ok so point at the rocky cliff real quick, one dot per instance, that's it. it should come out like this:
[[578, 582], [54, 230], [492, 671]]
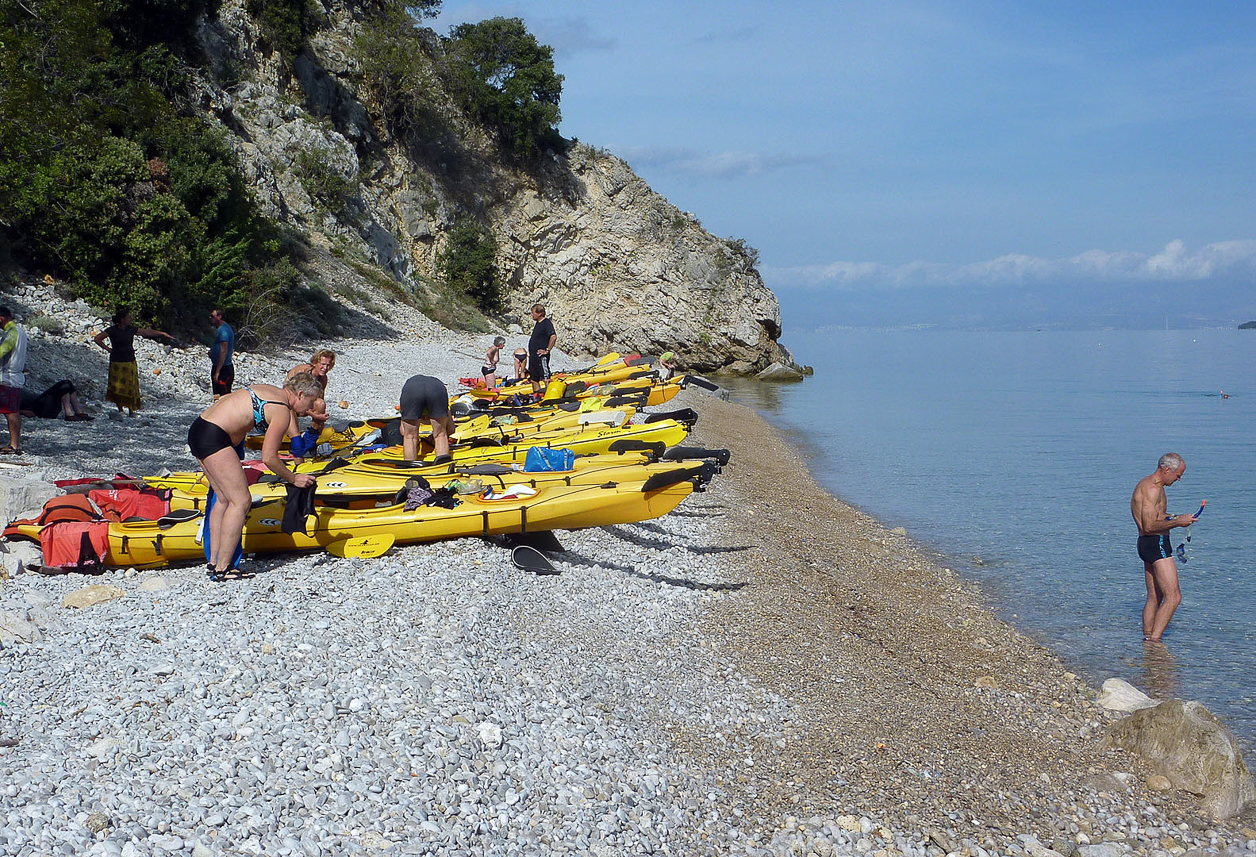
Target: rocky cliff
[[616, 265]]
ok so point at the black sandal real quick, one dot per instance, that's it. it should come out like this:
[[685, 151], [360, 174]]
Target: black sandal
[[10, 450]]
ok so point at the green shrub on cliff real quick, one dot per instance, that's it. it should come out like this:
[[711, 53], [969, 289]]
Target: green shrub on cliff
[[493, 73], [104, 179], [285, 24], [503, 76], [469, 264]]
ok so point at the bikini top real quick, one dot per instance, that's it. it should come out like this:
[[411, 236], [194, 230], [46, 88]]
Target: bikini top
[[259, 410]]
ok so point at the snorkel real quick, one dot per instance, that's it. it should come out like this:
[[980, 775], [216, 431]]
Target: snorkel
[[1181, 548]]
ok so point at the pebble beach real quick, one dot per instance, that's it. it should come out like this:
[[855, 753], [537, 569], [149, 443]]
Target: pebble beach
[[763, 671]]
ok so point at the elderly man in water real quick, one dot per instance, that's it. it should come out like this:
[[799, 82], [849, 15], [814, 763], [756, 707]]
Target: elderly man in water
[[1154, 547]]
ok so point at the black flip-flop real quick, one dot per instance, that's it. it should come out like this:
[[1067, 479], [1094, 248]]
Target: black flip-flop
[[9, 450]]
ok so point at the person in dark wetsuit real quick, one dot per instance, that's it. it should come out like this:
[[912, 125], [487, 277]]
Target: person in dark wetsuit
[[425, 399], [61, 398], [1154, 547], [217, 432]]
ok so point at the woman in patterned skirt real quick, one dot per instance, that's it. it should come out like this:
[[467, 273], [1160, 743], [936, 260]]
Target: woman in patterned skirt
[[124, 374]]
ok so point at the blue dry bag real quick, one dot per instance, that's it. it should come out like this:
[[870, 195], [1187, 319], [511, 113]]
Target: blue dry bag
[[542, 459]]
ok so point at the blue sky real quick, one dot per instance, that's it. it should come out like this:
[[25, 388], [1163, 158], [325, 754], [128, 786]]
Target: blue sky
[[898, 162]]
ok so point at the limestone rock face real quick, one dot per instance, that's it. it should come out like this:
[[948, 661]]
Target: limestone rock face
[[1194, 750], [617, 267]]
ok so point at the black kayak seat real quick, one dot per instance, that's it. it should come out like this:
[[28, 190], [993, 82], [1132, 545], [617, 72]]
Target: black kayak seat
[[685, 453], [684, 416], [488, 469], [636, 400], [653, 448], [178, 516]]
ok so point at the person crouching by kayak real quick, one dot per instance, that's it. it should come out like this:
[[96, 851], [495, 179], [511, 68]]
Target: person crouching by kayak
[[425, 399], [667, 365], [321, 362], [216, 439]]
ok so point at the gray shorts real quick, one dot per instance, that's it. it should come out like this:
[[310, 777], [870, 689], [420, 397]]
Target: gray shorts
[[424, 397]]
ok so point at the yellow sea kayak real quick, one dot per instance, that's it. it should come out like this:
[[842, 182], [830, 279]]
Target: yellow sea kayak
[[151, 543], [374, 479]]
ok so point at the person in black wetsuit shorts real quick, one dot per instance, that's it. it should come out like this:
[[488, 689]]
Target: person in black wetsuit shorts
[[61, 398], [540, 344], [1154, 548], [215, 438], [425, 399]]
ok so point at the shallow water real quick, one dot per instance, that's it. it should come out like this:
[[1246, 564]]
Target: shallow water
[[1015, 454]]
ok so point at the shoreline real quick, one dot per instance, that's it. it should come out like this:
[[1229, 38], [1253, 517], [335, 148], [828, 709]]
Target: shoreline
[[857, 609], [764, 667]]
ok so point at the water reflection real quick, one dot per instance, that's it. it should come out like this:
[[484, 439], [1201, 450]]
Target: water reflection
[[762, 396], [1159, 670]]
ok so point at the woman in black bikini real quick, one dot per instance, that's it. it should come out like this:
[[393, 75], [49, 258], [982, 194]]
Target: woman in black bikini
[[220, 429]]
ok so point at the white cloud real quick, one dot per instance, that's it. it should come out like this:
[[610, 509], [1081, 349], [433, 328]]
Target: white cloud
[[732, 164], [570, 35], [1175, 263]]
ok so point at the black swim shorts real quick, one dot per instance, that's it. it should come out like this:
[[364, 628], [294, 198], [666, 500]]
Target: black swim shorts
[[226, 377], [1152, 548], [424, 397], [538, 367], [206, 438]]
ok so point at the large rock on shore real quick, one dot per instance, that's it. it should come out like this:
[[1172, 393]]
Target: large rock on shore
[[1193, 749], [20, 496], [780, 372], [1119, 695]]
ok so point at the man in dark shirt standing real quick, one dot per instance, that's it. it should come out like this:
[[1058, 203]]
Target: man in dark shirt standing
[[221, 365], [540, 344]]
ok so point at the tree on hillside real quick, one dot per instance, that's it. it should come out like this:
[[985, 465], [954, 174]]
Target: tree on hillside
[[506, 78], [469, 264], [105, 180]]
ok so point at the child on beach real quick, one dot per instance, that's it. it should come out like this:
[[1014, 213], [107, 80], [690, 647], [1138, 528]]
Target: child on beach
[[489, 370]]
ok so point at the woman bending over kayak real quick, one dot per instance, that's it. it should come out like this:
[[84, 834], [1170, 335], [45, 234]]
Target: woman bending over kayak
[[217, 433]]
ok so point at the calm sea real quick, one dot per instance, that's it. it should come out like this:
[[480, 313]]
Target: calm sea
[[1015, 454]]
